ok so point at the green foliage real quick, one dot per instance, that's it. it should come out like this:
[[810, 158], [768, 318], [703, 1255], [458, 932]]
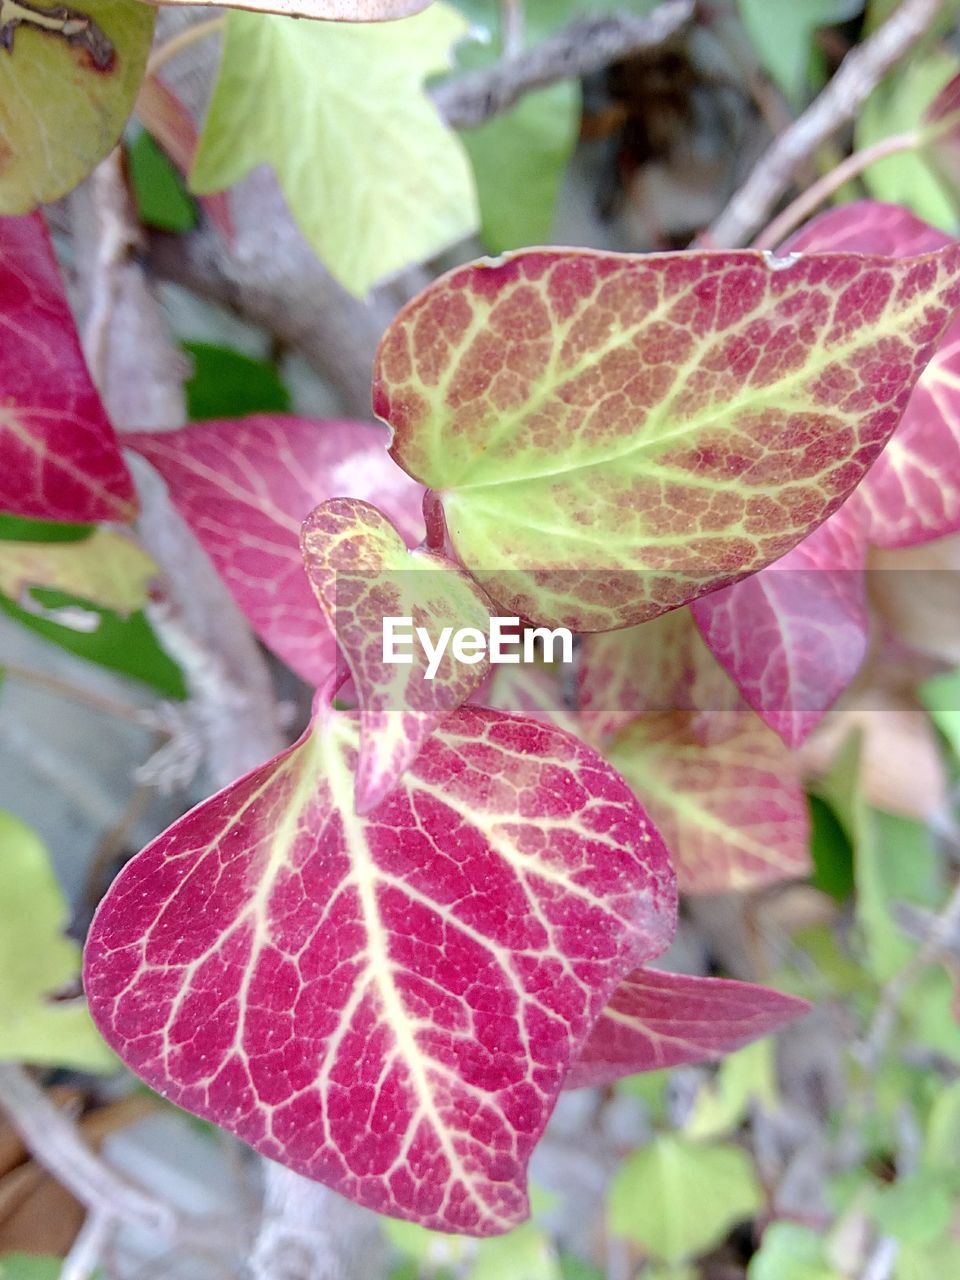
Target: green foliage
[[372, 175], [228, 384], [941, 697], [28, 1266], [522, 1254], [782, 33], [743, 1078], [897, 106], [790, 1252], [21, 529], [676, 1198], [36, 961], [831, 852], [162, 200]]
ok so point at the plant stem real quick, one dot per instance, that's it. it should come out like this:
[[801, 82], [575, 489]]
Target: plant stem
[[511, 27], [108, 706], [183, 40], [821, 191]]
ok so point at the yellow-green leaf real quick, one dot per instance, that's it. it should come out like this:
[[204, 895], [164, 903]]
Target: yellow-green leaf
[[36, 962], [107, 569], [372, 174], [64, 97]]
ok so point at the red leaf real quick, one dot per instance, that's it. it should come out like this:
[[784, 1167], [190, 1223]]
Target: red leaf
[[658, 1020], [725, 792], [794, 636], [60, 456], [362, 573], [387, 1004], [912, 492], [613, 436], [163, 114], [245, 487]]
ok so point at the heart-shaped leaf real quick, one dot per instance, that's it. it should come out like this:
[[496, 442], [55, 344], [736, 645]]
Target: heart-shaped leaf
[[613, 436], [725, 792], [388, 1004], [658, 1020], [362, 575], [68, 78], [245, 487], [662, 665], [793, 636], [106, 568], [60, 456], [912, 492]]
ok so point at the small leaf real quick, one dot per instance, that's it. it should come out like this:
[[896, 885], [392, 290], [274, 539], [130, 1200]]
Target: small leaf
[[362, 574], [161, 198], [941, 697], [793, 636], [744, 1079], [612, 436], [387, 1004], [676, 1199], [245, 487], [912, 492], [782, 34], [372, 175], [106, 569], [725, 792], [61, 460], [657, 1020], [790, 1252], [28, 1266], [64, 101], [37, 961], [228, 384]]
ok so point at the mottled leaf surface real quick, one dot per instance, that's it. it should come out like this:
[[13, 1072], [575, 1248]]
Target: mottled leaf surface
[[106, 568], [387, 1004], [372, 175], [37, 962], [60, 457], [912, 493], [726, 794], [63, 104], [713, 409], [245, 487], [362, 572], [657, 1020], [793, 636]]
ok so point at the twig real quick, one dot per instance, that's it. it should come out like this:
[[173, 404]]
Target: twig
[[96, 701], [511, 27], [183, 40], [582, 47], [859, 74]]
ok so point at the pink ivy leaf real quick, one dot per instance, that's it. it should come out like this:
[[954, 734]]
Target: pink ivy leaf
[[167, 119], [61, 460], [662, 665], [794, 636], [612, 436], [245, 487], [387, 1004], [912, 492], [725, 792], [362, 573], [657, 1020]]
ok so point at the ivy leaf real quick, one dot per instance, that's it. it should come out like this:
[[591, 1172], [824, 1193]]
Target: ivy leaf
[[36, 962], [229, 384], [387, 1004], [61, 460], [362, 573], [64, 102], [912, 492], [789, 1251], [676, 1199], [782, 34], [726, 794], [245, 487], [106, 568], [662, 665], [612, 436], [657, 1020], [793, 636], [373, 176]]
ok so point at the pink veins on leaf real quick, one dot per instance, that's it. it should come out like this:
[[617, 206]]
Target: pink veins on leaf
[[389, 1003], [61, 459]]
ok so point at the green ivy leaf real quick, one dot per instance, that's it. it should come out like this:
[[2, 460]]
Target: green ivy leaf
[[782, 32], [162, 199], [28, 1266], [676, 1199], [373, 176], [61, 112], [898, 105], [790, 1252], [914, 1210], [744, 1077], [36, 961], [941, 697], [228, 384]]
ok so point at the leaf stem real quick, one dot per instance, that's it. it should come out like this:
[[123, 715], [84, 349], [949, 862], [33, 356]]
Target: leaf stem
[[183, 40]]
